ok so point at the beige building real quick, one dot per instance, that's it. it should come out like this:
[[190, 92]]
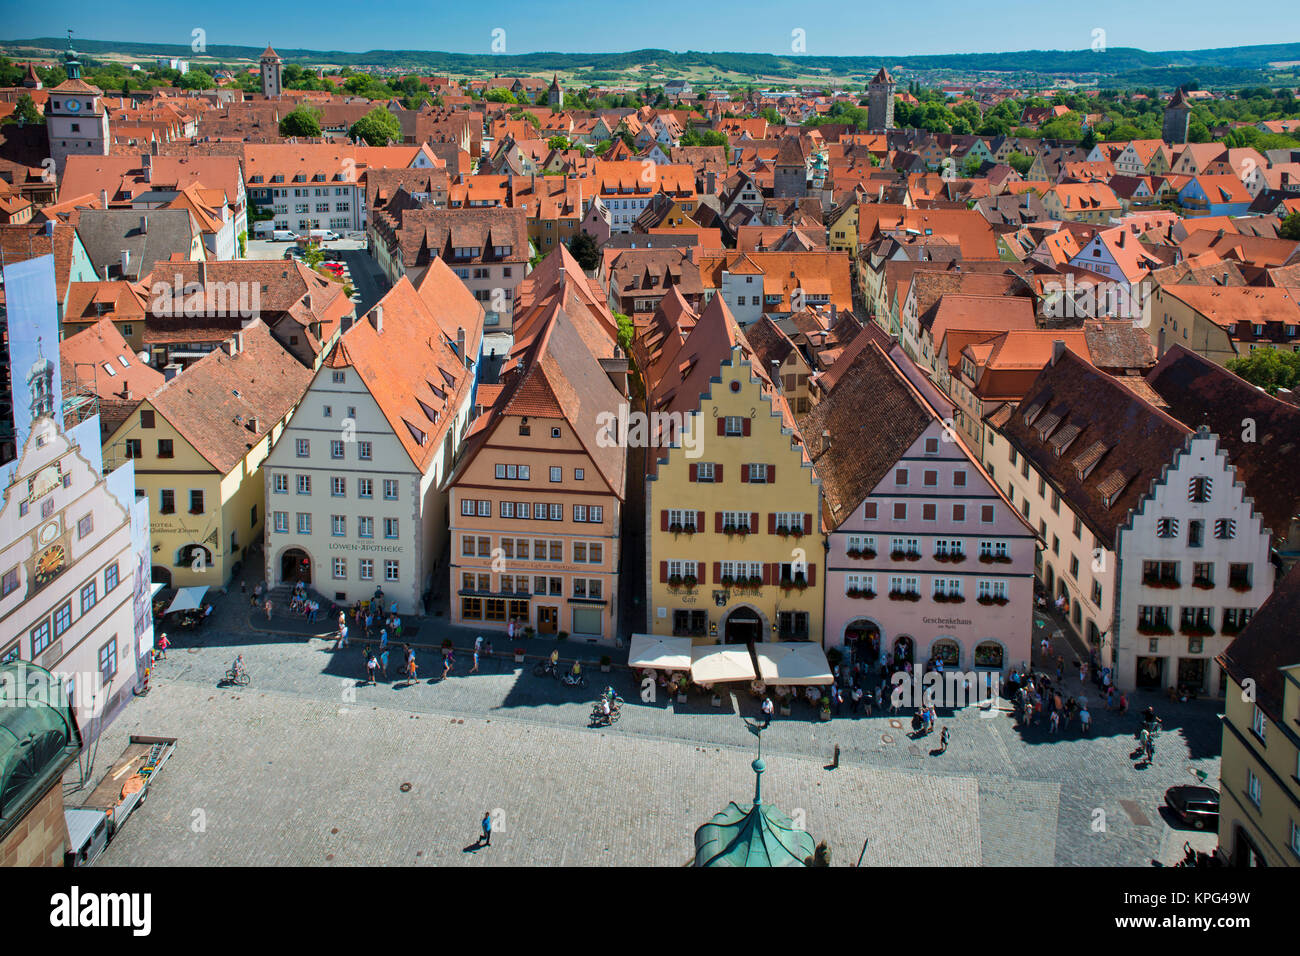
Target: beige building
[[1224, 322], [1259, 791], [198, 444]]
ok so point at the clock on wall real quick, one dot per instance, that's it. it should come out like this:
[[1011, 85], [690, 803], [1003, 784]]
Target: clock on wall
[[73, 106], [50, 564]]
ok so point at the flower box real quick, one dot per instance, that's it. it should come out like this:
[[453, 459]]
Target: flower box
[[728, 581], [1155, 630], [675, 581], [995, 559], [904, 596], [1239, 586], [1203, 584], [957, 558], [1196, 630], [1152, 581], [675, 528], [898, 555], [519, 655], [755, 582], [914, 555], [690, 581], [853, 553], [987, 601]]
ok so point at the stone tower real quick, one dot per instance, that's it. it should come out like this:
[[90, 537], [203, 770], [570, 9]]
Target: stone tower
[[272, 66], [880, 102], [555, 93], [40, 383], [1178, 116], [790, 171]]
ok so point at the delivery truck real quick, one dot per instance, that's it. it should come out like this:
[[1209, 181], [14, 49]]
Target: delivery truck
[[124, 789]]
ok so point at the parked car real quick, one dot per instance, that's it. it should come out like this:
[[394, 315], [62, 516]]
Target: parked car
[[322, 235], [334, 267], [1194, 805]]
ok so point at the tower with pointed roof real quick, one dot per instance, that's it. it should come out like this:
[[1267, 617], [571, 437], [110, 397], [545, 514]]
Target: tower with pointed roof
[[40, 382], [880, 102], [76, 121], [555, 93], [30, 80], [1178, 116], [790, 170], [272, 67]]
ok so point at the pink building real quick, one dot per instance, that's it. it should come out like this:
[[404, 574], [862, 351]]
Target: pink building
[[925, 555]]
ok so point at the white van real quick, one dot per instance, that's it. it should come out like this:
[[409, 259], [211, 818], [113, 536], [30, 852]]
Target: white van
[[283, 235], [322, 235]]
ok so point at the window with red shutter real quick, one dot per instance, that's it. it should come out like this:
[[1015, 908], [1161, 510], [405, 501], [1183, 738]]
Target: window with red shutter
[[695, 472], [663, 520], [722, 426], [717, 474], [663, 572], [717, 522], [744, 473], [812, 575], [753, 522], [771, 522], [699, 522], [717, 572], [807, 524], [744, 428], [771, 473]]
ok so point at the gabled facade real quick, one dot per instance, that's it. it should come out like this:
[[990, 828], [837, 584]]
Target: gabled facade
[[733, 526]]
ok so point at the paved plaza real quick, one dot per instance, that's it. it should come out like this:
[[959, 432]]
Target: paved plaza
[[306, 766]]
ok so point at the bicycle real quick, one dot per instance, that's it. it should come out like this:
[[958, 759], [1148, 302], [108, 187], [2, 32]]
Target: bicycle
[[547, 669], [236, 678]]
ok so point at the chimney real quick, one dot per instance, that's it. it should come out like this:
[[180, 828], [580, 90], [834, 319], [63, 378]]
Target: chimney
[[776, 374], [826, 439], [710, 182], [251, 422], [1122, 234], [147, 160], [237, 343], [126, 393], [144, 225], [126, 262], [103, 198], [831, 325], [378, 314], [153, 147], [1058, 349], [460, 343]]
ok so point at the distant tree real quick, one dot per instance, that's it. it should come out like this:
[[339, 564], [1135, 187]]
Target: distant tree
[[303, 121], [625, 332], [1290, 227], [583, 248], [1268, 368], [499, 95], [1020, 162], [378, 128], [558, 142], [25, 111], [1089, 140]]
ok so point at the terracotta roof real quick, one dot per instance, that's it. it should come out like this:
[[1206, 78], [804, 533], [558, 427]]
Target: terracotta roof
[[98, 359], [1123, 443], [1268, 645], [212, 401]]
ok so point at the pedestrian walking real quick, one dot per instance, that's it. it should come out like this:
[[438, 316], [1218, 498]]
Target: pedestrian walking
[[383, 638], [163, 644], [487, 650], [767, 711], [383, 662], [371, 666], [943, 741], [267, 607], [486, 838], [412, 669], [343, 637], [243, 587], [446, 664], [1123, 703], [1085, 720], [1045, 645], [1054, 722], [474, 669]]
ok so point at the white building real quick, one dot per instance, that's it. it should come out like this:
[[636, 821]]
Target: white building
[[76, 121], [67, 567], [352, 484]]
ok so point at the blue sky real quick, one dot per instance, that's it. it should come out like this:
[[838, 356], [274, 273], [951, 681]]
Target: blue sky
[[761, 26]]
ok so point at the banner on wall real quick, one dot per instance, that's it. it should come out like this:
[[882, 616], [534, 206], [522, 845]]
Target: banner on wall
[[31, 304]]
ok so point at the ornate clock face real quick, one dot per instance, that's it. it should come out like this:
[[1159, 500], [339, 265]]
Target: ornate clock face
[[49, 564], [48, 533], [73, 106]]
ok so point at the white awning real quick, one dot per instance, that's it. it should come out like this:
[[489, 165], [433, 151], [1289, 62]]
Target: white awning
[[155, 588], [188, 599], [659, 653], [712, 663], [793, 662]]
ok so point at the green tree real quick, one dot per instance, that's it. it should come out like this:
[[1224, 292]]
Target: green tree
[[558, 142], [1020, 162], [583, 248], [303, 121], [25, 111], [625, 332], [499, 95], [1268, 368], [196, 80], [1290, 227], [378, 128]]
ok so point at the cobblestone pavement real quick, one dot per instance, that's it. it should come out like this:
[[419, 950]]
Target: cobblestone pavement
[[309, 747]]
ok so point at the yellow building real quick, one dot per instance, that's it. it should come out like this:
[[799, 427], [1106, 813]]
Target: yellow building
[[733, 510], [1259, 793], [198, 443]]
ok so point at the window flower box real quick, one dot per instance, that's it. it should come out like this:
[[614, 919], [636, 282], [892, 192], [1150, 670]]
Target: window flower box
[[995, 559], [675, 527], [943, 556], [674, 581], [854, 553], [1239, 586], [914, 555], [1153, 581], [904, 596], [957, 558], [898, 555], [1155, 630], [1203, 583], [690, 581], [756, 582], [1230, 629], [988, 600], [728, 529], [1196, 630], [728, 581]]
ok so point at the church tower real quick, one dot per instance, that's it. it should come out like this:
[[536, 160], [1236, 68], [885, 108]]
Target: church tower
[[880, 102], [555, 93], [272, 67], [40, 383], [76, 121]]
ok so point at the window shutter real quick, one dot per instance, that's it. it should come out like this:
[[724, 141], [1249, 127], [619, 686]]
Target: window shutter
[[771, 473], [744, 428], [807, 524], [717, 522], [663, 520], [753, 522], [717, 572], [744, 473], [812, 574], [699, 524], [717, 474], [663, 572], [695, 472], [771, 522], [699, 572], [767, 573], [722, 426]]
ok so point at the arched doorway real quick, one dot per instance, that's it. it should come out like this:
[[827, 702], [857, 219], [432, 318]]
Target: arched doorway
[[863, 636], [195, 557], [989, 654], [904, 650], [160, 575], [1049, 579], [742, 626], [1150, 672], [295, 565]]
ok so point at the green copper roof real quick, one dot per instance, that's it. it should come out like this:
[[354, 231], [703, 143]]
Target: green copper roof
[[38, 736], [757, 835]]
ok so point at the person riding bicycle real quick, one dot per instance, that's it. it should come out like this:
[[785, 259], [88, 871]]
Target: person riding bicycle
[[237, 669], [555, 659], [577, 669], [604, 707]]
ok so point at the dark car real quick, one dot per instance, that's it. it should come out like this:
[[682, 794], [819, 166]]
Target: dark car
[[293, 252], [1195, 806]]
